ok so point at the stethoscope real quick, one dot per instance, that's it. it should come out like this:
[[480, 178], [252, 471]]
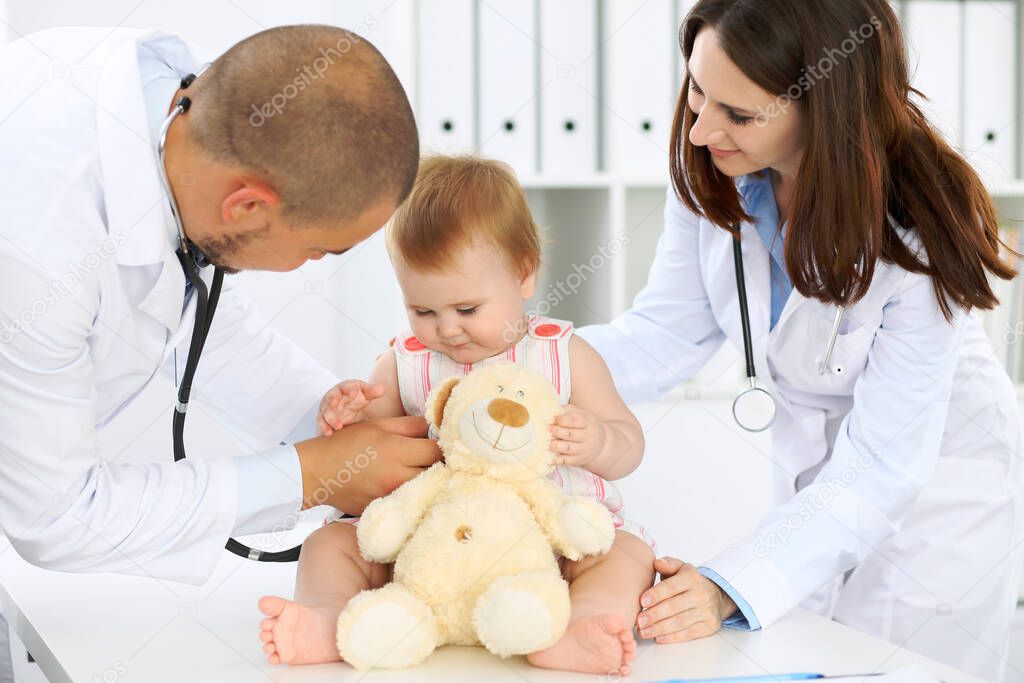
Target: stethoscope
[[754, 407], [192, 261]]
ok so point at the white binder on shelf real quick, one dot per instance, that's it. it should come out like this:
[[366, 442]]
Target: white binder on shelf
[[389, 25], [569, 87], [683, 8], [447, 93], [508, 97], [990, 111], [640, 91], [935, 47]]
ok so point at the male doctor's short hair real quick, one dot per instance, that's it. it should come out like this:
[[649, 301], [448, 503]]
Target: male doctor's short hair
[[315, 111], [458, 201], [870, 150]]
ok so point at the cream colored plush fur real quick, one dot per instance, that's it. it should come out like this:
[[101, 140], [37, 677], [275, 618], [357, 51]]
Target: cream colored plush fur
[[475, 539]]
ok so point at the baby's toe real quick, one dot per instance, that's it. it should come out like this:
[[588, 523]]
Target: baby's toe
[[272, 605]]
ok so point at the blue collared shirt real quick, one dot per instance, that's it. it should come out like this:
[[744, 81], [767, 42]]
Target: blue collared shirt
[[759, 200]]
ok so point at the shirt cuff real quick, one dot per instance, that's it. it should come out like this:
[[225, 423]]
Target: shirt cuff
[[744, 619], [269, 491], [305, 428]]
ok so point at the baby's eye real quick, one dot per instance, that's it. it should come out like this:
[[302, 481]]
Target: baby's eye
[[422, 313], [467, 311], [520, 394]]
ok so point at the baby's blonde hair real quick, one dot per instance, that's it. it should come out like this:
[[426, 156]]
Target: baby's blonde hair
[[456, 201]]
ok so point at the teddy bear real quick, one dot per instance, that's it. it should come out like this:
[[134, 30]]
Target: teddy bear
[[475, 539]]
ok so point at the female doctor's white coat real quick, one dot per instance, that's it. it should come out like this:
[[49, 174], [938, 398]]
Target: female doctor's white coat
[[91, 309], [896, 473]]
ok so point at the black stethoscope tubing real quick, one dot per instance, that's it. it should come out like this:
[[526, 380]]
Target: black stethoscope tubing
[[192, 260]]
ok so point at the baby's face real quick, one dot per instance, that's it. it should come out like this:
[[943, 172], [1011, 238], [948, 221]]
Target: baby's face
[[470, 311]]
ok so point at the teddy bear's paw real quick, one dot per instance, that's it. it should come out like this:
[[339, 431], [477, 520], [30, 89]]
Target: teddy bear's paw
[[387, 628], [381, 535], [587, 526], [522, 613]]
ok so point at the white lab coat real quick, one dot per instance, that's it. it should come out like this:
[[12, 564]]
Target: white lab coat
[[896, 474], [91, 299]]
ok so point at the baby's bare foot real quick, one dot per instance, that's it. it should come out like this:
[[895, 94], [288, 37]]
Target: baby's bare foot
[[298, 634], [600, 644]]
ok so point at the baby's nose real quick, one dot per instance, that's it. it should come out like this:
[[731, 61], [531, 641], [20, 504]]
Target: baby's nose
[[508, 413]]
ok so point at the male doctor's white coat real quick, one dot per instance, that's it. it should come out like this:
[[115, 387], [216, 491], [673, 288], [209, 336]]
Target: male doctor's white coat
[[91, 309], [896, 472]]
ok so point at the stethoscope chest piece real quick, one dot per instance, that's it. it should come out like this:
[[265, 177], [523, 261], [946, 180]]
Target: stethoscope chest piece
[[754, 409]]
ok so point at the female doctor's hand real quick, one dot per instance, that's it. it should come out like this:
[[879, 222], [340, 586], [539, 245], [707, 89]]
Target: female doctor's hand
[[684, 605]]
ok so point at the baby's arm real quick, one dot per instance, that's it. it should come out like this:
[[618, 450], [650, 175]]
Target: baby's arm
[[385, 373], [597, 431], [354, 401]]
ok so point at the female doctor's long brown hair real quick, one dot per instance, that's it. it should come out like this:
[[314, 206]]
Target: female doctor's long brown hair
[[869, 150]]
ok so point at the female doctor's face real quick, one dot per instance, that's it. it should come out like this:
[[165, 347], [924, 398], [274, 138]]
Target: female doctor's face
[[741, 124]]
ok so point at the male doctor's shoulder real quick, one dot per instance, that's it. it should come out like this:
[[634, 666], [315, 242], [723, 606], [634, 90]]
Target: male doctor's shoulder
[[59, 85]]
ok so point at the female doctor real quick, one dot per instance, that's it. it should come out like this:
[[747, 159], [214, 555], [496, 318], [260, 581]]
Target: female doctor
[[865, 241]]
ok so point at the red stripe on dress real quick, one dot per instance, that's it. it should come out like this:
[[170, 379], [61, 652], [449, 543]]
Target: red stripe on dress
[[557, 368]]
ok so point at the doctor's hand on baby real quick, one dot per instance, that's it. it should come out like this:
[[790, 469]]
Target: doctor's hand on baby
[[683, 605], [344, 403]]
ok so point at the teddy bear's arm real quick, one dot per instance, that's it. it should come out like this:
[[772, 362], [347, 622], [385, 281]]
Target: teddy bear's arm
[[388, 522], [576, 525]]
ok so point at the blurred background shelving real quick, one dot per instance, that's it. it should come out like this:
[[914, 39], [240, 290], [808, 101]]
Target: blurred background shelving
[[578, 96]]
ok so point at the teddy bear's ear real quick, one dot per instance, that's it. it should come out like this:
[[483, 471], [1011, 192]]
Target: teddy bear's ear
[[436, 401]]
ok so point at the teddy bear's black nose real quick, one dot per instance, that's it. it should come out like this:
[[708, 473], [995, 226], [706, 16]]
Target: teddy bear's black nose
[[508, 413]]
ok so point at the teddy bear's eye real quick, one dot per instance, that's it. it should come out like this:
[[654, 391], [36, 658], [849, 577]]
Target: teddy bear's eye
[[520, 394], [500, 388]]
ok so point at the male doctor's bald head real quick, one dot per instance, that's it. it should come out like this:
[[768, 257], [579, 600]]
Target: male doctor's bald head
[[300, 141]]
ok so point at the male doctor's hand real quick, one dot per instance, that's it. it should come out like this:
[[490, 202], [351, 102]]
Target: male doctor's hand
[[684, 605], [364, 461]]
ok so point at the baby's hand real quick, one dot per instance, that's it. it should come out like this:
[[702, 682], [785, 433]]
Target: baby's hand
[[579, 437], [344, 404]]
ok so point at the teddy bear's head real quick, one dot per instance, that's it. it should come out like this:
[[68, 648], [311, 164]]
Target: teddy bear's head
[[495, 420]]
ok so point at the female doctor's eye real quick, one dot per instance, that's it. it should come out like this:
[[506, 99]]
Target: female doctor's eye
[[731, 115], [739, 120]]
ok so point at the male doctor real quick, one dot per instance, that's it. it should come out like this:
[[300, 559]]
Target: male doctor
[[299, 142]]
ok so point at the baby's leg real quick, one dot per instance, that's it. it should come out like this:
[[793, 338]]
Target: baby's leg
[[330, 572], [605, 594]]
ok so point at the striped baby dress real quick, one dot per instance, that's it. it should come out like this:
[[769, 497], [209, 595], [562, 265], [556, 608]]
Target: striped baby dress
[[545, 349]]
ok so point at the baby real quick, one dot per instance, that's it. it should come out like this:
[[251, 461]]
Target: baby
[[466, 252]]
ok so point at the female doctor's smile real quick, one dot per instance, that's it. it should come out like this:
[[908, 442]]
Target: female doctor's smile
[[817, 241]]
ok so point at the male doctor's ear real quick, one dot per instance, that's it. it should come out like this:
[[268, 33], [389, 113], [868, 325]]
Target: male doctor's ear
[[250, 207]]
